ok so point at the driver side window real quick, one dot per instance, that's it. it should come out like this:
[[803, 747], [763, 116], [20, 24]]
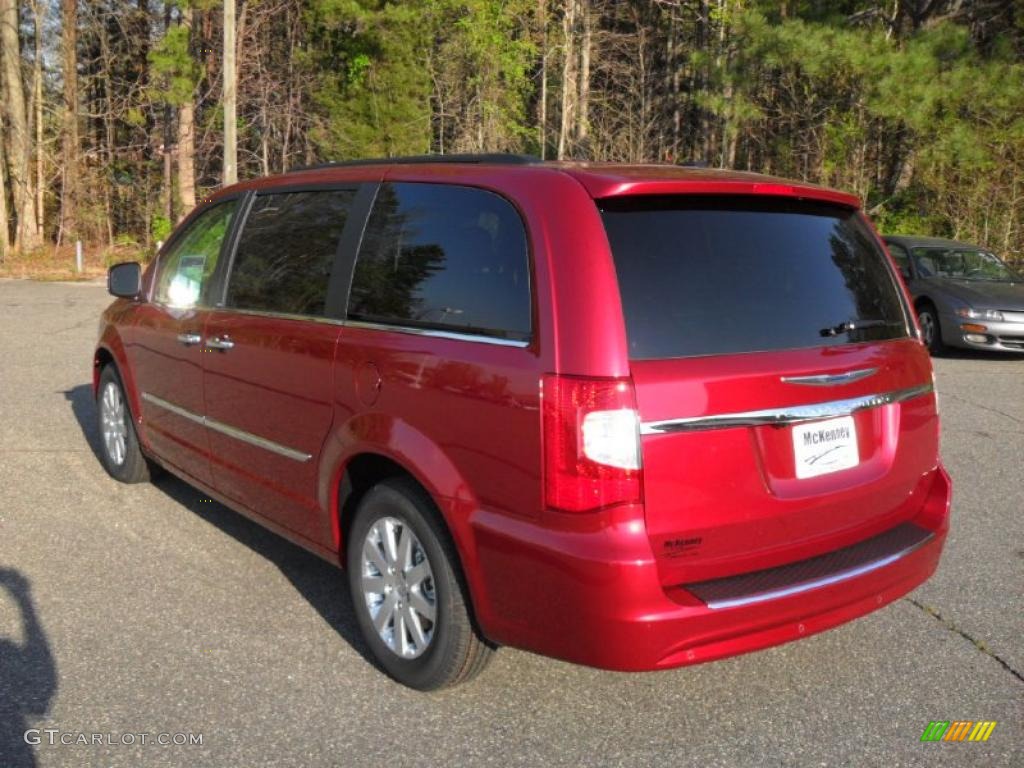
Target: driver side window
[[187, 267], [902, 259]]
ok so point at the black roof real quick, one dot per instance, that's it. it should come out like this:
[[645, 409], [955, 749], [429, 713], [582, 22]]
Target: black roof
[[492, 158]]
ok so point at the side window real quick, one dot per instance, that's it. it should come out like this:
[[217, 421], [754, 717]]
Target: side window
[[186, 268], [928, 261], [286, 251], [902, 259], [445, 257]]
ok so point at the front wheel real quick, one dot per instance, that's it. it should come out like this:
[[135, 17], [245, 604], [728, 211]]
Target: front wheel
[[931, 331], [409, 599], [119, 444]]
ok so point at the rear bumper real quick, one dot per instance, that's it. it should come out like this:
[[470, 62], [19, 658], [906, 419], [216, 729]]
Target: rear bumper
[[612, 612]]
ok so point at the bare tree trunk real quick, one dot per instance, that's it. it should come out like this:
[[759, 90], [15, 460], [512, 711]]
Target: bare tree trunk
[[704, 36], [69, 129], [582, 112], [5, 233], [286, 132], [27, 234], [39, 12], [186, 158], [108, 141], [187, 141], [167, 188], [671, 58], [568, 74], [640, 154], [167, 193], [230, 96], [1011, 218], [906, 172], [722, 65], [542, 103], [480, 122]]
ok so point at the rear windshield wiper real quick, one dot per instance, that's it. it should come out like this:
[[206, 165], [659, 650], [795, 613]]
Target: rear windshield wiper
[[856, 325]]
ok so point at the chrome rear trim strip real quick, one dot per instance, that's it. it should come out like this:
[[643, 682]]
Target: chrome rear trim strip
[[227, 429], [807, 586], [831, 379], [794, 414]]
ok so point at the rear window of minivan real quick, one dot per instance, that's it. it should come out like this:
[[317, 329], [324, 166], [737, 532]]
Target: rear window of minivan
[[725, 275]]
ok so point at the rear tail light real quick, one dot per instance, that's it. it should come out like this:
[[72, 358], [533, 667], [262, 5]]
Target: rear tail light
[[591, 443]]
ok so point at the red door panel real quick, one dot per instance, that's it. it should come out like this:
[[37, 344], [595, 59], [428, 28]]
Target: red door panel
[[479, 402], [167, 360], [269, 410]]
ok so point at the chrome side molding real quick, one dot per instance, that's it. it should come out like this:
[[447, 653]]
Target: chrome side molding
[[794, 414], [830, 379], [437, 334], [227, 429]]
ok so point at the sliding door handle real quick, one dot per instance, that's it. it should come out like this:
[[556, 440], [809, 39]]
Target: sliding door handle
[[219, 342], [189, 339]]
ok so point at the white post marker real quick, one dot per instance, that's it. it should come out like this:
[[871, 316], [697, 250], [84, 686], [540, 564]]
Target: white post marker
[[78, 256]]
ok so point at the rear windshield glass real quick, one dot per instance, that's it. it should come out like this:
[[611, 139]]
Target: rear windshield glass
[[722, 275]]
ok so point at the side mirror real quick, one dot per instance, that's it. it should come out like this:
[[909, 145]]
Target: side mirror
[[125, 280]]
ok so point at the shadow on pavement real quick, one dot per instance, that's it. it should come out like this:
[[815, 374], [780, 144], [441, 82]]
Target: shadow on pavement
[[322, 585], [83, 406], [28, 675]]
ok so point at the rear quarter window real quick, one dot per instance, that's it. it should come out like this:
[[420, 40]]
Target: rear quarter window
[[726, 275], [444, 257]]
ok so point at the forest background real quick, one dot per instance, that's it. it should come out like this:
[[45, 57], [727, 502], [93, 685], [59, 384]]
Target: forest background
[[113, 112]]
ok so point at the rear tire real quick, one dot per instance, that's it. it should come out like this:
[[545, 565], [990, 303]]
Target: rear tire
[[409, 596], [119, 443], [931, 330]]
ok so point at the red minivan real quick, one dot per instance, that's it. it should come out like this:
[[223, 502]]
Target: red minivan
[[628, 416]]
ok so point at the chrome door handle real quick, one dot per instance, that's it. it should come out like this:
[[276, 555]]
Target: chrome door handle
[[219, 342], [189, 339]]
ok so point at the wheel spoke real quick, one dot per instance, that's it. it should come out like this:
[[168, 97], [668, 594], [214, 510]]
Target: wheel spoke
[[404, 550], [412, 621], [373, 584], [390, 542], [385, 613], [372, 554], [422, 606], [401, 641], [415, 575]]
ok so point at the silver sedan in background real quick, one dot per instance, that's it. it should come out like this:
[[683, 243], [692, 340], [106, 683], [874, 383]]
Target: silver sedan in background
[[964, 295]]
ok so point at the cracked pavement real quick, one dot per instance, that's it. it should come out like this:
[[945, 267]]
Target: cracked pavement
[[160, 611]]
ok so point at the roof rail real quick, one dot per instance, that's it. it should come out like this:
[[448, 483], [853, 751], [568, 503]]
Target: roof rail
[[497, 158]]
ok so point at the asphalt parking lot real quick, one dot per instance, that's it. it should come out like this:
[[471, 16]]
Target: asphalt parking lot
[[149, 609]]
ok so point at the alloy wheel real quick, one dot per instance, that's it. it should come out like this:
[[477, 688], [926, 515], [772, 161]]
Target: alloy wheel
[[927, 323], [398, 587], [113, 424]]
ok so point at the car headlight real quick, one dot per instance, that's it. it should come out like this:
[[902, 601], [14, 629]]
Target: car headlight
[[981, 314]]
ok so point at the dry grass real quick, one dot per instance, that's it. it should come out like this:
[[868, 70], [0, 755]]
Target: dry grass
[[51, 263]]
